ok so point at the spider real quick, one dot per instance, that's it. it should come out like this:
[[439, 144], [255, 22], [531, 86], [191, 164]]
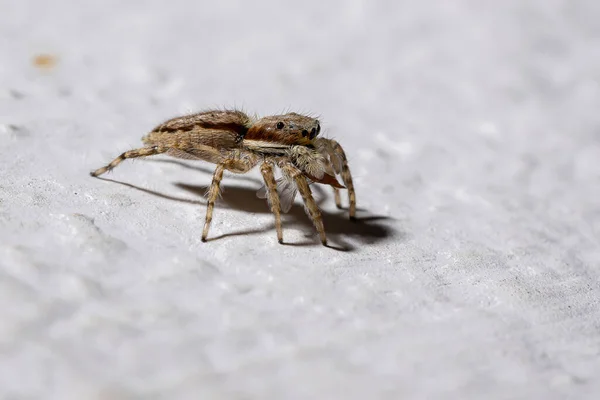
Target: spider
[[237, 142]]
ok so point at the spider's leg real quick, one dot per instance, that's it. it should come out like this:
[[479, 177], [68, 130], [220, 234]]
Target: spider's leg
[[337, 197], [235, 162], [311, 206], [267, 172], [347, 178], [213, 193], [143, 152], [240, 162]]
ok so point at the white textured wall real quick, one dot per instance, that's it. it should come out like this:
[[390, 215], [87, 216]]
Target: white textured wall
[[473, 132]]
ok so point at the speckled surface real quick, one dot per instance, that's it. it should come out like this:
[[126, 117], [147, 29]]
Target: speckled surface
[[473, 133]]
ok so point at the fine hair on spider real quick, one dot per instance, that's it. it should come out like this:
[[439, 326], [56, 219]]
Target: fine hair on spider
[[237, 142]]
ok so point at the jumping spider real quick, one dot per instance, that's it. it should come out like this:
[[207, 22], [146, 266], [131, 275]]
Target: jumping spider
[[236, 142]]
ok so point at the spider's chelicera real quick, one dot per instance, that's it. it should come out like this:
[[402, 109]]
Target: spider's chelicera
[[236, 142]]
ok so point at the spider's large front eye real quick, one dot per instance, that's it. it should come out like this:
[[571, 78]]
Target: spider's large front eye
[[280, 125], [305, 133], [318, 128]]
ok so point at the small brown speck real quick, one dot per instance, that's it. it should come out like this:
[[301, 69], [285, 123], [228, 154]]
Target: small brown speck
[[45, 61]]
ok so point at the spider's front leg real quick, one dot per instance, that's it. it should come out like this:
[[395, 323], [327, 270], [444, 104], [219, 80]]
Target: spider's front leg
[[346, 178], [267, 172], [314, 213]]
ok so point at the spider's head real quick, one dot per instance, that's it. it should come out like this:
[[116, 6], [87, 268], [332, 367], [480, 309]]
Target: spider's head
[[291, 128]]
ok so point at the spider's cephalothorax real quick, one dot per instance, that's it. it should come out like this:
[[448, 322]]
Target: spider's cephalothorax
[[236, 142], [288, 129]]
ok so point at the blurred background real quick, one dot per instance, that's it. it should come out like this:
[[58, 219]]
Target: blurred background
[[473, 134]]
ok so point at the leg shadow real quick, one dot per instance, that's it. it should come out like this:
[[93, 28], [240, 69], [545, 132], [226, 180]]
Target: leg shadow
[[153, 192], [366, 230], [338, 227]]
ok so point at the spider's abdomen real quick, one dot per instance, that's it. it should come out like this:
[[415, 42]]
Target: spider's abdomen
[[218, 129], [223, 120]]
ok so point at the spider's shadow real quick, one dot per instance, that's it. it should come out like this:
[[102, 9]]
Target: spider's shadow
[[338, 226]]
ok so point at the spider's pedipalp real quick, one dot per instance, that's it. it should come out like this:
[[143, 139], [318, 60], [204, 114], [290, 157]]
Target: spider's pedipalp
[[326, 148], [308, 160]]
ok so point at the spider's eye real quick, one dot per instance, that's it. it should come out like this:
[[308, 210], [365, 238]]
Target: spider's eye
[[318, 128], [280, 125], [305, 133], [313, 133]]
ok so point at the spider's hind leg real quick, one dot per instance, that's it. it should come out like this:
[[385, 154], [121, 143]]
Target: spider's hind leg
[[213, 193], [235, 162], [143, 152]]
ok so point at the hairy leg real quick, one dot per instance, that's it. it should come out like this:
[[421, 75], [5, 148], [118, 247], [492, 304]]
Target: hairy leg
[[267, 172], [238, 163], [311, 206], [347, 178], [213, 193], [336, 196], [143, 152]]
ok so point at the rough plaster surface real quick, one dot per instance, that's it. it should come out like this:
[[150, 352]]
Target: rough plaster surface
[[473, 131]]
